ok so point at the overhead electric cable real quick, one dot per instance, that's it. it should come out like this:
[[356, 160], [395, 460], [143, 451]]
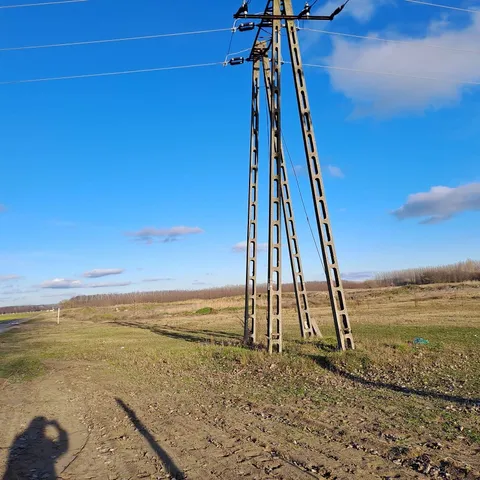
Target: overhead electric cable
[[267, 125], [388, 40], [24, 5], [113, 40], [393, 74], [109, 74], [469, 10], [303, 202]]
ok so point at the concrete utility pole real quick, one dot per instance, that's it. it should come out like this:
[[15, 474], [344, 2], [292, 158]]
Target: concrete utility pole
[[266, 53]]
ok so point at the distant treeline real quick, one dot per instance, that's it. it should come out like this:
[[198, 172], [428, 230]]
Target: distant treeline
[[165, 296], [25, 309], [458, 272]]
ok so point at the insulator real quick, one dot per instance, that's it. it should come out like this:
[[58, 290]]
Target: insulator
[[245, 27], [243, 10], [236, 61], [306, 11]]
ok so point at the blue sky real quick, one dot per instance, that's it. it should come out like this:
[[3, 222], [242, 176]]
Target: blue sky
[[144, 177]]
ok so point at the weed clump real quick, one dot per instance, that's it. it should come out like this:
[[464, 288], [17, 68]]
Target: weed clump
[[205, 311]]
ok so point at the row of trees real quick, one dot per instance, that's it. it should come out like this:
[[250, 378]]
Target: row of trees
[[455, 273], [458, 272], [25, 309], [165, 296]]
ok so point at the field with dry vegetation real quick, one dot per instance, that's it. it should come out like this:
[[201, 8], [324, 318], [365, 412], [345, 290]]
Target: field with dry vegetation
[[165, 390]]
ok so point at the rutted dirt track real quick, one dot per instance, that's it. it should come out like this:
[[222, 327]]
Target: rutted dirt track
[[118, 438]]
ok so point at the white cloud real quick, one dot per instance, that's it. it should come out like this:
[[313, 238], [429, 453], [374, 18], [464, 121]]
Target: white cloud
[[335, 171], [6, 278], [103, 272], [386, 95], [64, 283], [151, 280], [440, 203], [107, 285], [242, 246], [61, 283], [361, 10], [164, 235], [3, 208]]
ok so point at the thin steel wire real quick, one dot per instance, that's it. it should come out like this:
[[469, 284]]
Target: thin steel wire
[[469, 10], [24, 5], [388, 40], [393, 74], [267, 123], [109, 74], [112, 40]]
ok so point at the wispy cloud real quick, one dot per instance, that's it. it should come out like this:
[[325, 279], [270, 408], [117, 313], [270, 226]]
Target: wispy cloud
[[65, 283], [6, 278], [300, 170], [164, 235], [103, 272], [335, 171], [61, 283], [151, 280], [242, 246], [107, 285], [3, 208], [440, 203], [16, 291], [199, 283], [358, 276], [397, 92]]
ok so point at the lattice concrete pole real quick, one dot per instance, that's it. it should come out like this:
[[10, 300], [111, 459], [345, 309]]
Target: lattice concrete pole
[[308, 326], [250, 321], [274, 292], [332, 272]]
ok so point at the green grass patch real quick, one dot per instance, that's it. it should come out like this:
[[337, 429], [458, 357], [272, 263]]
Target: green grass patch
[[21, 368], [15, 316], [205, 311]]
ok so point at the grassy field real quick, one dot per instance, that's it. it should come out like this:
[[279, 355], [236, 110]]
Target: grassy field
[[167, 391], [15, 316]]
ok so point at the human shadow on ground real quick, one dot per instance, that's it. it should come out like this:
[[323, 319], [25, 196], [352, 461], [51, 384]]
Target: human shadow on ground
[[33, 453], [168, 463], [326, 363], [197, 336]]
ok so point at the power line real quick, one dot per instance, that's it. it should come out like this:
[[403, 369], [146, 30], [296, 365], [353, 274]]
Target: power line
[[113, 40], [303, 202], [393, 74], [24, 5], [388, 40], [110, 74], [444, 6], [267, 125]]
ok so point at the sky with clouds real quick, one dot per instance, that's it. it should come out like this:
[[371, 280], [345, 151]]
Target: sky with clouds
[[139, 182]]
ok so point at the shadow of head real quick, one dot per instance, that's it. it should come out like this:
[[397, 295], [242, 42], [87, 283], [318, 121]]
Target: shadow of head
[[34, 452]]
